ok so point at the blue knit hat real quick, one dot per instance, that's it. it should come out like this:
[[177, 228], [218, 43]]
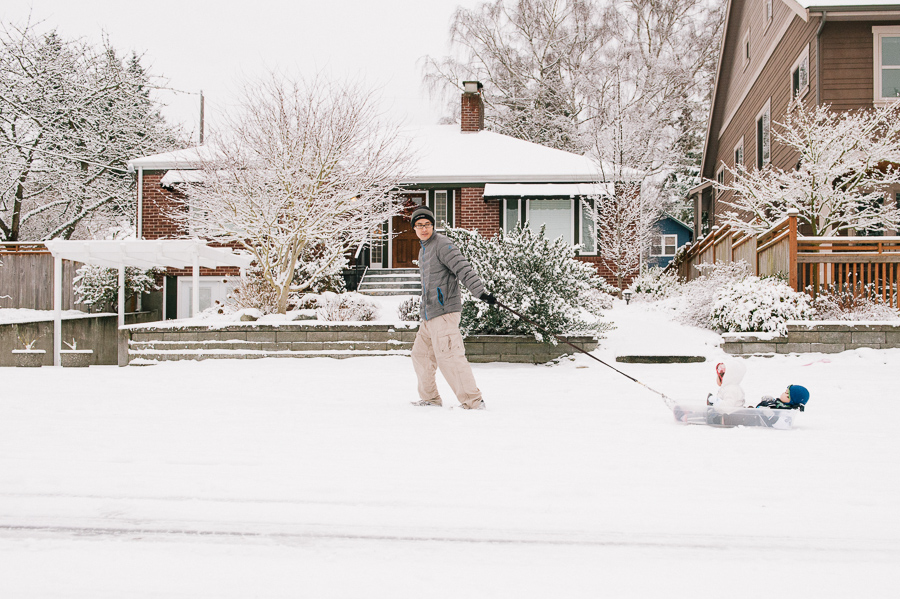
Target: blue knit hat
[[799, 395]]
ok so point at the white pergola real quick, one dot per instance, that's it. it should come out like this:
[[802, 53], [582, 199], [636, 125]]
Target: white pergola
[[144, 254]]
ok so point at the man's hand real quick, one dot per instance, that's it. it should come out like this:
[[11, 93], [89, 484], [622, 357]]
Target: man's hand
[[487, 297]]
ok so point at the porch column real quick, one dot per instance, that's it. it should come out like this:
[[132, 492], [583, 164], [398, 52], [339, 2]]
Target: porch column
[[57, 309], [793, 213], [195, 285]]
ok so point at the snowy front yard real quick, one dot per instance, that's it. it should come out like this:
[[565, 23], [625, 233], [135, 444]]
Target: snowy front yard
[[316, 478]]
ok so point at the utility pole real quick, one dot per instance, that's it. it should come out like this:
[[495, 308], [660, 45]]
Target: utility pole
[[201, 117]]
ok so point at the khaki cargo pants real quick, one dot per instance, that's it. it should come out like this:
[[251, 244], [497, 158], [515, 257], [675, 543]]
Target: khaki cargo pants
[[439, 344]]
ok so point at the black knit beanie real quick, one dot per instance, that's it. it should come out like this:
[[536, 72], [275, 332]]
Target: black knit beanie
[[422, 212]]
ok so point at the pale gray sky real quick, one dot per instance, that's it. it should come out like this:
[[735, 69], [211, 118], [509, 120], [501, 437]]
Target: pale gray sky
[[212, 45]]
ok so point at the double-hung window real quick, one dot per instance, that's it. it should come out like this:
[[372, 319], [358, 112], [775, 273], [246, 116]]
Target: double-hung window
[[441, 210], [587, 226], [555, 215], [887, 62], [720, 179], [739, 154], [664, 245], [800, 74], [763, 136]]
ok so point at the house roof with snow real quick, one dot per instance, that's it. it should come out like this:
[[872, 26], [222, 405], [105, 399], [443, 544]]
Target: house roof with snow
[[443, 154]]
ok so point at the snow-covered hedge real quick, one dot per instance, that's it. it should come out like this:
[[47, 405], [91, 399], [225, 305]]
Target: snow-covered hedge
[[653, 283], [536, 276], [409, 310], [755, 304], [853, 303], [99, 286], [699, 295], [342, 307]]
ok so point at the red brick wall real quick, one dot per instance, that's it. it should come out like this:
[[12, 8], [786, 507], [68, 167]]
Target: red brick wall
[[471, 113], [473, 212], [604, 271], [158, 203]]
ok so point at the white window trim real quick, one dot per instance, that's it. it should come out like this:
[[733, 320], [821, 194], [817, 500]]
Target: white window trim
[[802, 59], [662, 246], [580, 220], [504, 225], [526, 202], [767, 108], [877, 32], [720, 171], [447, 209], [737, 146], [768, 12]]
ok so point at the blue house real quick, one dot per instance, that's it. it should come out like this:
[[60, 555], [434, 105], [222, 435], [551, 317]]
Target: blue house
[[671, 234]]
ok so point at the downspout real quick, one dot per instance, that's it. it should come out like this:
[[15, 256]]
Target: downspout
[[139, 233], [819, 58]]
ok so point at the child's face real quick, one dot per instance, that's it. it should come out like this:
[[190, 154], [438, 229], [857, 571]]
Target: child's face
[[786, 396]]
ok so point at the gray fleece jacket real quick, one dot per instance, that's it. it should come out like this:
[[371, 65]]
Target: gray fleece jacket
[[442, 267]]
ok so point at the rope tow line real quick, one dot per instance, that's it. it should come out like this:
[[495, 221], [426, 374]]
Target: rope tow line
[[668, 400]]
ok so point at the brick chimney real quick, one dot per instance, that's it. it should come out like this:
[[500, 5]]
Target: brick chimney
[[472, 110]]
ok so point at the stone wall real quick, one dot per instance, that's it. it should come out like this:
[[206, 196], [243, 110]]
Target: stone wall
[[823, 337], [521, 348]]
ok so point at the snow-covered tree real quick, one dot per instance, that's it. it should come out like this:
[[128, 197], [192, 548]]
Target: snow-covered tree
[[848, 161], [626, 81], [305, 170], [536, 276], [99, 286], [71, 114], [625, 224]]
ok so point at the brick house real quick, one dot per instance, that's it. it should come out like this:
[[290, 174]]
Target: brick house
[[844, 53], [470, 177]]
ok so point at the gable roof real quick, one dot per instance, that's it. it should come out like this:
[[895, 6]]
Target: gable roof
[[445, 155]]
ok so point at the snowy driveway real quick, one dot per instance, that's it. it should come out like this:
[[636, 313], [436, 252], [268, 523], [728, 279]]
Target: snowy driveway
[[316, 478]]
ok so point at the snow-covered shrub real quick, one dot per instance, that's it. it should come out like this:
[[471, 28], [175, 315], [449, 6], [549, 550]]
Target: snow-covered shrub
[[344, 307], [849, 302], [535, 276], [699, 295], [252, 291], [323, 275], [99, 286], [654, 283], [409, 309], [755, 304]]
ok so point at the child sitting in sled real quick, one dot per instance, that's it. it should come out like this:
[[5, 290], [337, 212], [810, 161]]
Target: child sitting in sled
[[793, 398], [728, 376]]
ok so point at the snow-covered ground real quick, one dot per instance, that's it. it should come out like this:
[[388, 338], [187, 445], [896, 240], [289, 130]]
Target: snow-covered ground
[[316, 478]]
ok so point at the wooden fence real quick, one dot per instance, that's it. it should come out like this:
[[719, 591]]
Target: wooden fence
[[26, 278], [860, 264]]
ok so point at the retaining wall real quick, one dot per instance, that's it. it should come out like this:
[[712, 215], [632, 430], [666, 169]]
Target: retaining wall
[[823, 337]]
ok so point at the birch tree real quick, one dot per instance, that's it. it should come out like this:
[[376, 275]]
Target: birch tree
[[848, 163], [305, 171], [71, 114]]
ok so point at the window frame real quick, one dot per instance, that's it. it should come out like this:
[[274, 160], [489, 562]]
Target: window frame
[[720, 179], [447, 213], [579, 219], [527, 205], [745, 48], [662, 246], [761, 159], [879, 31], [802, 61], [768, 12], [738, 146]]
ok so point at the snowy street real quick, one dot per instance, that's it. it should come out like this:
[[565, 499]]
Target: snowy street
[[316, 478]]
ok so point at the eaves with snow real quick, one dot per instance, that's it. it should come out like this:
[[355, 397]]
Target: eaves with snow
[[445, 155]]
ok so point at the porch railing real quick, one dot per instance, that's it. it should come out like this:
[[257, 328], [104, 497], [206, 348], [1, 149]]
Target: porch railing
[[860, 264]]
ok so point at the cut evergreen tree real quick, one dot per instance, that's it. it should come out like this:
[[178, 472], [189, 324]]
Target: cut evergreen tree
[[538, 277]]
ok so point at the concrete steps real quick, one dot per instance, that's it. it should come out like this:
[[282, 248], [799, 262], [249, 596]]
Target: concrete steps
[[391, 281]]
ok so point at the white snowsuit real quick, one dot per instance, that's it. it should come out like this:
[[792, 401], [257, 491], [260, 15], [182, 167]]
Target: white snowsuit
[[730, 394]]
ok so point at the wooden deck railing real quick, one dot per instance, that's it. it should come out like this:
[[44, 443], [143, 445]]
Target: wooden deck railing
[[860, 264]]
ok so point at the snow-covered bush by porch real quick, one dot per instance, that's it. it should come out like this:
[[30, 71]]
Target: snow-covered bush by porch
[[755, 304], [341, 307], [99, 286], [536, 276], [408, 310], [654, 283]]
